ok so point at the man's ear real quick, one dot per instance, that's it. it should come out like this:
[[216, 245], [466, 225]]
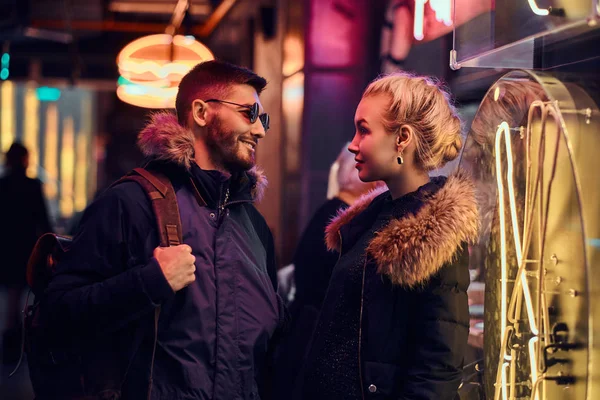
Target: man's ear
[[199, 112], [404, 137]]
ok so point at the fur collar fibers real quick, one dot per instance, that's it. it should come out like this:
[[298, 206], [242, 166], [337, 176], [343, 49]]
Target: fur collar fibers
[[412, 249], [165, 139]]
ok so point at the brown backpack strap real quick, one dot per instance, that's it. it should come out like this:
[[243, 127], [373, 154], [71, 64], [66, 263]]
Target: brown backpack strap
[[164, 204], [161, 193]]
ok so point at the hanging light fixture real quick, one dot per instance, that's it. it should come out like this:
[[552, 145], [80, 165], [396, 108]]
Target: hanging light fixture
[[151, 67]]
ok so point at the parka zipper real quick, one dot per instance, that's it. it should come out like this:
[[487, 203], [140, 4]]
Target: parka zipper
[[362, 296], [340, 236]]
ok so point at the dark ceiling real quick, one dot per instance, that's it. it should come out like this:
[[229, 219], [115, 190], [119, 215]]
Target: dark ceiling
[[80, 39]]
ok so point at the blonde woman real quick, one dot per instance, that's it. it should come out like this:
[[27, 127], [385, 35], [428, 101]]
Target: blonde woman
[[395, 320]]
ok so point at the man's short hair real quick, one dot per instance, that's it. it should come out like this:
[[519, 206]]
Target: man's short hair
[[212, 79]]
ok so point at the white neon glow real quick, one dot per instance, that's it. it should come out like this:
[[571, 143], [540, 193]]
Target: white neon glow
[[533, 362], [503, 275], [513, 375], [534, 188], [505, 129], [504, 386], [536, 10], [419, 19], [442, 10]]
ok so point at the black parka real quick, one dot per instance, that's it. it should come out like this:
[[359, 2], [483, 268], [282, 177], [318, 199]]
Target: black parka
[[395, 320]]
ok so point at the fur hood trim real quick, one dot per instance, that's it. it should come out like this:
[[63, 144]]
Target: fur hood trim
[[165, 139], [412, 249]]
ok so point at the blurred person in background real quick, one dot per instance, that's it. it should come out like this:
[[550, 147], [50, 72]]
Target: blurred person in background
[[312, 265], [23, 219]]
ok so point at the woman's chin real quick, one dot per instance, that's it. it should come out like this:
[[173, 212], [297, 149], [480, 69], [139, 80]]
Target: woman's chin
[[364, 176]]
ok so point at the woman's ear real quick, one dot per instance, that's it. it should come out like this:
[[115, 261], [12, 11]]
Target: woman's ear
[[199, 112], [404, 137]]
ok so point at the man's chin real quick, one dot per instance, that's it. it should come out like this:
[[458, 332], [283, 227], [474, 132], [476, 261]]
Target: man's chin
[[240, 165]]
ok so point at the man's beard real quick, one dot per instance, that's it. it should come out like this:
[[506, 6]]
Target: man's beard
[[225, 148]]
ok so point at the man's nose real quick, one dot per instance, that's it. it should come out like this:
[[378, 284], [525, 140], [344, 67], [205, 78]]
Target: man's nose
[[258, 130]]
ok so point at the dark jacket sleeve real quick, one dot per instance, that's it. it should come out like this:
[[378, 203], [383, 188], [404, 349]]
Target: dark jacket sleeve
[[440, 333], [109, 277], [313, 263]]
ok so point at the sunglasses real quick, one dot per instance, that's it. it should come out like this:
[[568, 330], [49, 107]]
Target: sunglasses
[[252, 112]]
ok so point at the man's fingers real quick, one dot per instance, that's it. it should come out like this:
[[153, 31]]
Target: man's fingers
[[185, 248]]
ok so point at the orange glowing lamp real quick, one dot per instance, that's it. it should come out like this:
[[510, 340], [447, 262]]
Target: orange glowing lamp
[[152, 67]]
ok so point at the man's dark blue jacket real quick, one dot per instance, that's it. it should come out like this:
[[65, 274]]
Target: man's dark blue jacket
[[214, 336]]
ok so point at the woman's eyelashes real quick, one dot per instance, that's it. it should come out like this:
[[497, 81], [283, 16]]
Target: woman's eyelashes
[[362, 130]]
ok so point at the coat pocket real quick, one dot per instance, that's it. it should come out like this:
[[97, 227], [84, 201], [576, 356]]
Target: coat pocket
[[381, 380]]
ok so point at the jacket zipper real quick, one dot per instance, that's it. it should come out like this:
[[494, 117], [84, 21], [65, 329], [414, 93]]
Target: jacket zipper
[[362, 296], [236, 202], [224, 203]]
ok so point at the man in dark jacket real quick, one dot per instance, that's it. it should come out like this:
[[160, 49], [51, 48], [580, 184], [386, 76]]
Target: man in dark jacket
[[219, 309]]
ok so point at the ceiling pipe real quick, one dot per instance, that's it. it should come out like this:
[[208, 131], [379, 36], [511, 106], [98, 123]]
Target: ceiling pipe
[[203, 31]]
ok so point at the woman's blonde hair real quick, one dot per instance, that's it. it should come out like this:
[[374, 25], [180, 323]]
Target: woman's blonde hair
[[424, 105]]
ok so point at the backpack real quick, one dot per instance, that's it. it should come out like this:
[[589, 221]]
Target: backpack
[[55, 370]]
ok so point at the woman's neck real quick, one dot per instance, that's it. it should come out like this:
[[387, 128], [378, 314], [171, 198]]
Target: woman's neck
[[400, 185]]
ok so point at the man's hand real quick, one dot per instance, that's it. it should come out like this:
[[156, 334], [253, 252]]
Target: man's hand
[[177, 264]]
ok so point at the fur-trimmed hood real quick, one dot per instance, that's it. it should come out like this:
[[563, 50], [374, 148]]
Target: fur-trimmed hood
[[165, 139], [412, 249]]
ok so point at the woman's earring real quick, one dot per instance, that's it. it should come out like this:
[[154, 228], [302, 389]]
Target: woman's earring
[[400, 159]]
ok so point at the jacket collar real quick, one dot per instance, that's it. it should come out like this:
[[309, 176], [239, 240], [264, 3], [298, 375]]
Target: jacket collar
[[413, 248], [164, 139]]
